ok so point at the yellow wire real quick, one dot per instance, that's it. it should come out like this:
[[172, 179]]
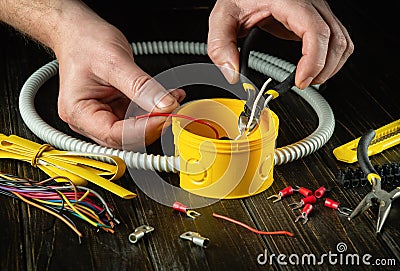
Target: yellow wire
[[76, 211], [7, 177], [88, 209], [60, 204], [48, 202], [51, 212], [84, 195], [83, 208], [76, 206]]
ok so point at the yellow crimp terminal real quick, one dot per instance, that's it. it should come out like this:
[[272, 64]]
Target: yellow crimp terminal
[[273, 93], [386, 137], [75, 166]]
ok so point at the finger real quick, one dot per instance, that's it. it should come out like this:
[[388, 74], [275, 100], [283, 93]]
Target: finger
[[308, 24], [340, 45], [276, 28], [222, 42], [348, 52], [118, 105], [130, 79], [97, 122], [179, 94]]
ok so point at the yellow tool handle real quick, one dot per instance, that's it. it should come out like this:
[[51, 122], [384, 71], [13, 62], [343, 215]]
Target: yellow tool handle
[[78, 167], [386, 137]]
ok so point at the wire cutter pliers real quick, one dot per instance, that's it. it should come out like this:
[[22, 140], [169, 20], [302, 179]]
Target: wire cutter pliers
[[252, 92], [382, 197]]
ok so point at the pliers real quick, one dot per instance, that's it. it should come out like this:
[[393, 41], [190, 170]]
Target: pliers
[[383, 198], [252, 92]]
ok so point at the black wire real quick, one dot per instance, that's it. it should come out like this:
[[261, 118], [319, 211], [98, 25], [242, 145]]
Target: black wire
[[64, 216], [8, 194], [61, 209]]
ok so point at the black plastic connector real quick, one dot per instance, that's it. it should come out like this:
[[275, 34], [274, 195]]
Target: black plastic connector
[[355, 177]]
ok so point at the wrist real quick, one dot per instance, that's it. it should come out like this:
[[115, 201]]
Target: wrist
[[47, 21]]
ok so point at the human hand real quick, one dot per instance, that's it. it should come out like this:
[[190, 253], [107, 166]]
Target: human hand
[[99, 79], [326, 44]]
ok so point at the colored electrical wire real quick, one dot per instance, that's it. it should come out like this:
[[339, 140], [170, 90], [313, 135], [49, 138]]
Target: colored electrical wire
[[155, 114], [51, 212], [59, 199], [252, 229]]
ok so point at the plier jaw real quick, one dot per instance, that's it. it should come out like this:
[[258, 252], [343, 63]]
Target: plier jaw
[[244, 118], [254, 103], [383, 198]]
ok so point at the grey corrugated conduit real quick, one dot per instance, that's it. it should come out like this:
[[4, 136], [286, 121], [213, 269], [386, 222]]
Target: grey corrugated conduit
[[268, 65]]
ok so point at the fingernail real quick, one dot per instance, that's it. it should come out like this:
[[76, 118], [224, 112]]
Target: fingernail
[[306, 83], [229, 72], [165, 101]]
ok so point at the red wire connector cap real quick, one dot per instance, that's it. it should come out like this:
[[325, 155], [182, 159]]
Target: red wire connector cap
[[177, 206], [310, 199], [304, 191], [330, 203], [320, 192]]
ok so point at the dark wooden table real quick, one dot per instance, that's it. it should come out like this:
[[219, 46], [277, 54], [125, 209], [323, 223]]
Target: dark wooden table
[[363, 95]]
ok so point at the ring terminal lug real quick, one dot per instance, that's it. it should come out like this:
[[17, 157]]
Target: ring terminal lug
[[196, 238], [139, 232]]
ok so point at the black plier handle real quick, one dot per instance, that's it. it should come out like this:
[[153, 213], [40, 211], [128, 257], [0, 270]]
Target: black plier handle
[[252, 92], [382, 197]]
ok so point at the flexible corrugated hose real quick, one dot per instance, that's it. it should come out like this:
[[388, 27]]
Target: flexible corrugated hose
[[271, 66]]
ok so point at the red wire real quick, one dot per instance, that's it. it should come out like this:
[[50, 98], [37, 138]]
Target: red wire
[[179, 116], [252, 229]]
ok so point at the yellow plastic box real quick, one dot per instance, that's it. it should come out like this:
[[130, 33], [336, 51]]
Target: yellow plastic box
[[224, 169]]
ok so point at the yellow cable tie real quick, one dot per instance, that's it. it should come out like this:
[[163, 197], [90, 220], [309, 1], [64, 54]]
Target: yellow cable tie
[[78, 167]]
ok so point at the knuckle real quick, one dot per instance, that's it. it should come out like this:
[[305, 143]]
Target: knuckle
[[139, 84], [64, 113], [350, 48], [341, 43], [213, 49], [319, 80], [110, 142], [324, 32]]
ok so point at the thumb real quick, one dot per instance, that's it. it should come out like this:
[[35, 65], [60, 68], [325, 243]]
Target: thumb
[[222, 44], [141, 88]]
